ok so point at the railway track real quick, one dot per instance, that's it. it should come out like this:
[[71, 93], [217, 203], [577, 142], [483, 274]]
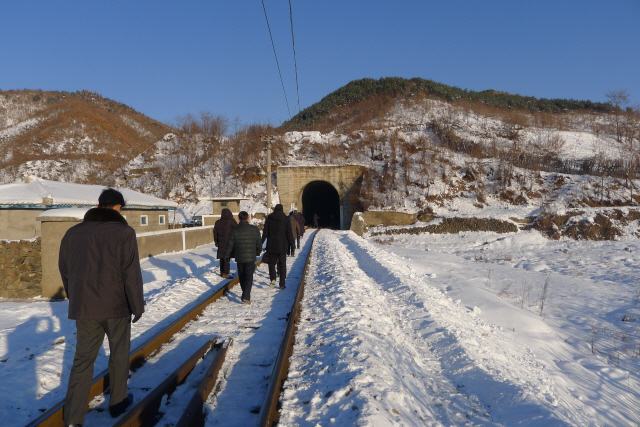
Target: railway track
[[145, 412]]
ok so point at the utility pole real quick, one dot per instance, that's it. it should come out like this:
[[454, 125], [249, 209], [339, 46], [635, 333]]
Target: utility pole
[[268, 140]]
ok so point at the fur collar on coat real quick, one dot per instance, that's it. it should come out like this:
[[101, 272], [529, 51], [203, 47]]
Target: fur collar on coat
[[104, 215]]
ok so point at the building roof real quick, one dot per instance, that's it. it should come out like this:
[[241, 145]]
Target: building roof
[[223, 199], [41, 193], [77, 213]]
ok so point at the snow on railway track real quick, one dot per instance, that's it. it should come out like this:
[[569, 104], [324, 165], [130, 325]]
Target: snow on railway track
[[377, 345], [174, 283]]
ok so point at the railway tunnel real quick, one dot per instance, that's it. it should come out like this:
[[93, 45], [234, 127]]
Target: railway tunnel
[[322, 199], [327, 190]]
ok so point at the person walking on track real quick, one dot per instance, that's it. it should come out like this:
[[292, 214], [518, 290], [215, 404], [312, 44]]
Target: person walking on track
[[100, 270], [245, 243], [277, 232], [300, 218], [295, 229], [315, 220], [221, 230]]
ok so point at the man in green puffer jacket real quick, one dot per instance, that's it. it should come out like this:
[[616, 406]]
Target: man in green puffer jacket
[[244, 244]]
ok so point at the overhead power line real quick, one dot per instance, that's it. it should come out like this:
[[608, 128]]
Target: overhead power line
[[295, 62], [277, 63]]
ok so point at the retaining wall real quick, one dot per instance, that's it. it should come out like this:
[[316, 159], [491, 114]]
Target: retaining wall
[[385, 219], [20, 268], [361, 221], [149, 244], [159, 242]]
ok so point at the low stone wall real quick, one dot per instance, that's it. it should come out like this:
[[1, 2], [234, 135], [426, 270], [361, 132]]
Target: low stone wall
[[361, 221], [386, 219], [21, 269], [457, 225]]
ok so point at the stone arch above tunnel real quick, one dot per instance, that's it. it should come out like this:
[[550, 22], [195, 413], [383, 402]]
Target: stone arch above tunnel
[[292, 181]]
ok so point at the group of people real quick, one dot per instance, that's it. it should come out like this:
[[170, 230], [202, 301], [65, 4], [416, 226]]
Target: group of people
[[100, 270], [282, 234]]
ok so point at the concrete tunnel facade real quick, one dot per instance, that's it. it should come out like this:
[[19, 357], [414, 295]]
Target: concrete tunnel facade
[[328, 191]]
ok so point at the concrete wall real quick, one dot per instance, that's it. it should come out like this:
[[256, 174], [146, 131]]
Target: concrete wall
[[155, 243], [232, 205], [19, 224], [53, 230], [293, 179], [361, 221], [149, 244], [133, 217], [385, 219], [20, 269], [210, 219], [197, 237]]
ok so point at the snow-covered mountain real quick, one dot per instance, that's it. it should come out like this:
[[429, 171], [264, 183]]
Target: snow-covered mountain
[[425, 152], [70, 136]]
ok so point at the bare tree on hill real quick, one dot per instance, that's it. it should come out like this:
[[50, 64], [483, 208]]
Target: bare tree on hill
[[618, 100]]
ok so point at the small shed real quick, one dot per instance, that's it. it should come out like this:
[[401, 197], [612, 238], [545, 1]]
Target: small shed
[[232, 203], [22, 202]]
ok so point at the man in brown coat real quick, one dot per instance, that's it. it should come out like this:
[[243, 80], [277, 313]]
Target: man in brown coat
[[295, 229], [101, 274], [221, 230], [300, 219]]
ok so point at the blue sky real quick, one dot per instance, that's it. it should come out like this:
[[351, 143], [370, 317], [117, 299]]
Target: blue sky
[[166, 59]]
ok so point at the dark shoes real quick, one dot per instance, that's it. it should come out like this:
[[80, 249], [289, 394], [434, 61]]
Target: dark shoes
[[120, 408]]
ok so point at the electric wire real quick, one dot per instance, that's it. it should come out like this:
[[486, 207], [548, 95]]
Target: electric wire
[[295, 62], [277, 63]]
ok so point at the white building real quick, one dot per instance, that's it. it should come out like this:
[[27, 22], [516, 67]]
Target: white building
[[22, 202]]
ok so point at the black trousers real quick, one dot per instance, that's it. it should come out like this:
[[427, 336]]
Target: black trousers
[[281, 260], [225, 265], [245, 276], [90, 337], [298, 242]]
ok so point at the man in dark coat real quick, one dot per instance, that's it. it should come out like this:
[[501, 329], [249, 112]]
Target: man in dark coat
[[300, 218], [295, 230], [100, 270], [277, 232], [221, 230], [245, 243]]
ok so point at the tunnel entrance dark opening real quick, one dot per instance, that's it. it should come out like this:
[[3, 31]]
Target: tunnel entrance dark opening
[[321, 198]]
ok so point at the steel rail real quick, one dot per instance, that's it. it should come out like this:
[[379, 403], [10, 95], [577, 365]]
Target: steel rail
[[193, 415], [53, 416], [269, 414], [146, 411]]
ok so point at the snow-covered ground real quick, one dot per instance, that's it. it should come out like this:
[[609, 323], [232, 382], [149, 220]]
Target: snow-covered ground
[[37, 341], [447, 330], [406, 331]]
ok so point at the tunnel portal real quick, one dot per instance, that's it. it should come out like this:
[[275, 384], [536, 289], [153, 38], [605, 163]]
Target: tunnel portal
[[320, 197]]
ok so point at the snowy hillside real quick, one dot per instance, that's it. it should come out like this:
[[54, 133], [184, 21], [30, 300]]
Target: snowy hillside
[[423, 154], [69, 136]]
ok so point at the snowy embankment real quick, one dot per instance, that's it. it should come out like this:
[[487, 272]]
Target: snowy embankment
[[420, 339]]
